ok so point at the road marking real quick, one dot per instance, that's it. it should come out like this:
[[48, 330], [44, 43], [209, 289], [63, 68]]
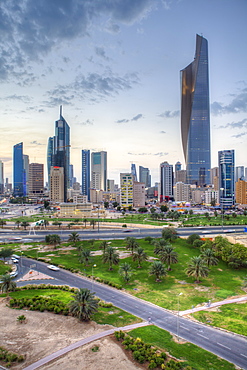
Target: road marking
[[181, 326], [222, 345], [202, 336], [243, 355]]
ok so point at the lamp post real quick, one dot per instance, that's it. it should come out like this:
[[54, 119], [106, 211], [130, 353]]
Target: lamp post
[[221, 201], [178, 316], [98, 219], [92, 275]]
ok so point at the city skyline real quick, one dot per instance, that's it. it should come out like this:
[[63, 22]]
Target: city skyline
[[115, 69]]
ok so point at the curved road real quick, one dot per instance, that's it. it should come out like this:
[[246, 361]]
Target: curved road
[[231, 347]]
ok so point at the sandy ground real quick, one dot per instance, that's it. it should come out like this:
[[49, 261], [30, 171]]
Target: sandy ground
[[45, 333]]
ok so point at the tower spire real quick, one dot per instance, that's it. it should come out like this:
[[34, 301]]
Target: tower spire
[[61, 110]]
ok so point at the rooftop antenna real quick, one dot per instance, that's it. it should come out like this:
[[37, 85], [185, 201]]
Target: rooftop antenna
[[61, 110]]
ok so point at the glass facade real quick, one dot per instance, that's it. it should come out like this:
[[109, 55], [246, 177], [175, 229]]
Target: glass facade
[[50, 152], [85, 178], [195, 116], [226, 178], [18, 170]]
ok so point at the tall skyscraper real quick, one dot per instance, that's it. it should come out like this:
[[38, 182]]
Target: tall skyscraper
[[85, 173], [50, 153], [36, 179], [18, 170], [239, 173], [1, 177], [25, 174], [126, 190], [166, 181], [226, 178], [195, 116], [144, 176], [133, 171], [61, 156], [57, 184], [99, 170]]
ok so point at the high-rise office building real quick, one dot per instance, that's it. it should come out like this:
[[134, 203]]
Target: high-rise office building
[[178, 166], [133, 171], [126, 190], [36, 179], [99, 170], [144, 176], [166, 181], [1, 177], [195, 116], [226, 178], [18, 170], [85, 173], [241, 192], [50, 153], [57, 184], [61, 156], [239, 173], [25, 174]]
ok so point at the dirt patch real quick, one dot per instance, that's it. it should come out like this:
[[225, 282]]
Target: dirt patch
[[45, 333], [202, 288]]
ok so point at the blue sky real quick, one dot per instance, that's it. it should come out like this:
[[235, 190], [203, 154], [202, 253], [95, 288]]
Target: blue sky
[[114, 66]]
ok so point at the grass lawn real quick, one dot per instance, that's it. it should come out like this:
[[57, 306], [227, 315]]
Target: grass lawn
[[201, 220], [4, 268], [232, 317], [110, 315], [194, 356]]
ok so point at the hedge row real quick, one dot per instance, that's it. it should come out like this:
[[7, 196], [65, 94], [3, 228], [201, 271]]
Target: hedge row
[[41, 304], [145, 353], [9, 357], [47, 286]]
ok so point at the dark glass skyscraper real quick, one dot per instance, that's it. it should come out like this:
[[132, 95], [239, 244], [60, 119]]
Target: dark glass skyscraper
[[195, 116], [226, 178], [50, 153], [18, 170], [85, 173]]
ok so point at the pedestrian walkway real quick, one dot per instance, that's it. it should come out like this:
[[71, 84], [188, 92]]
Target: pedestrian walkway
[[210, 305], [80, 343]]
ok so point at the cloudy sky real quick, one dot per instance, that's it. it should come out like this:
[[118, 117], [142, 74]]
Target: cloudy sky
[[114, 66]]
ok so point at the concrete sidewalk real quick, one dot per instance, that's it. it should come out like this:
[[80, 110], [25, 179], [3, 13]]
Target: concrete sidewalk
[[209, 305], [75, 345]]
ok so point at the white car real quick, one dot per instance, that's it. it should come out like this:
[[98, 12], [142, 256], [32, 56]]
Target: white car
[[54, 268]]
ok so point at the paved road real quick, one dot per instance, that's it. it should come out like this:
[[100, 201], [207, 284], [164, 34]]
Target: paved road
[[136, 232], [229, 346]]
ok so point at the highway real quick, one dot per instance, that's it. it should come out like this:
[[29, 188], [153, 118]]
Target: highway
[[231, 347], [114, 233]]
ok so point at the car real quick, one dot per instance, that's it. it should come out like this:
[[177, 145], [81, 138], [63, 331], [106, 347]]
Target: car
[[15, 256], [14, 273], [127, 231], [52, 267], [14, 260]]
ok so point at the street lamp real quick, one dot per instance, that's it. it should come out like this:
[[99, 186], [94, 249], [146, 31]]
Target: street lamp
[[98, 219], [92, 274], [178, 316], [221, 201]]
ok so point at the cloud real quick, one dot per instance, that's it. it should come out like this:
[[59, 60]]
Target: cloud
[[36, 143], [239, 135], [32, 29], [162, 132], [237, 105], [159, 154], [100, 52], [170, 114], [86, 123], [135, 118], [23, 98], [234, 125]]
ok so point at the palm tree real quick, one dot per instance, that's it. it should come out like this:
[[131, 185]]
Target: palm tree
[[131, 244], [110, 256], [139, 256], [125, 271], [85, 256], [46, 223], [159, 245], [92, 222], [85, 221], [7, 284], [74, 237], [83, 305], [104, 245], [168, 255], [157, 269], [18, 223], [25, 224], [2, 223], [53, 239], [197, 268], [209, 257]]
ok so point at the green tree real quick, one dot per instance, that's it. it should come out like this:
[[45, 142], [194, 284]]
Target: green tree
[[132, 244], [104, 244], [53, 239], [92, 223], [159, 245], [125, 271], [7, 284], [139, 256], [169, 233], [21, 319], [25, 224], [74, 237], [2, 223], [85, 222], [209, 257], [6, 252], [106, 205], [46, 223], [17, 222], [110, 256], [85, 256], [197, 268], [158, 270], [115, 204], [142, 210], [168, 255], [46, 204], [192, 238], [84, 305], [164, 208]]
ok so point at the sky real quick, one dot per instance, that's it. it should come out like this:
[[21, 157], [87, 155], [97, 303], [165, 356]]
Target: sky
[[114, 66]]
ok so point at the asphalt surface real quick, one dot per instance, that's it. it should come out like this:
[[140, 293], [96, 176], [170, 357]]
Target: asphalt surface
[[231, 347]]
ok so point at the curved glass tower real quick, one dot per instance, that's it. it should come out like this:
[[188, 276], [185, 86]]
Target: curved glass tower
[[195, 116]]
